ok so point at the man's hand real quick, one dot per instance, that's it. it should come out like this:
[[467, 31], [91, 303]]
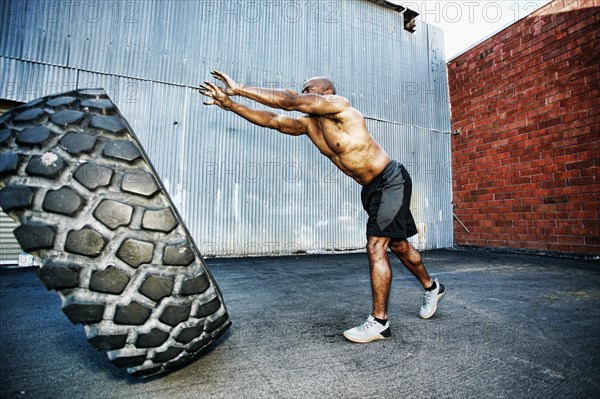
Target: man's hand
[[217, 94], [230, 84]]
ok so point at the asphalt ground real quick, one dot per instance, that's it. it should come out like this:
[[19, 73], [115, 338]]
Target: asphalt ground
[[509, 326]]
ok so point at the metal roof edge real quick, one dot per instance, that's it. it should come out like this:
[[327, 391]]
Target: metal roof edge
[[395, 7]]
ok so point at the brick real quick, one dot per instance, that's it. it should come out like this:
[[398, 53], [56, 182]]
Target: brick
[[585, 249], [545, 208], [564, 143], [548, 114], [501, 196], [593, 171], [503, 223], [592, 188], [582, 181], [592, 241], [588, 163], [569, 207], [570, 174], [584, 215], [560, 199]]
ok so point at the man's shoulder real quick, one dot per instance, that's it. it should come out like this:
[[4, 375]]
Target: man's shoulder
[[341, 105], [335, 99]]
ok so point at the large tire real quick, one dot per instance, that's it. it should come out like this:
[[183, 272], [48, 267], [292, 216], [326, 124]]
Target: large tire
[[109, 240]]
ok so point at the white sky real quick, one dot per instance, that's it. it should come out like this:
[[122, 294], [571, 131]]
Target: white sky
[[467, 23]]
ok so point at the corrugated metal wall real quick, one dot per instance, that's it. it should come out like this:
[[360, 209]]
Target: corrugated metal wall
[[241, 189], [9, 247]]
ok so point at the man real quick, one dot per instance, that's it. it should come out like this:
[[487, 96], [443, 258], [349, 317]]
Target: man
[[340, 133]]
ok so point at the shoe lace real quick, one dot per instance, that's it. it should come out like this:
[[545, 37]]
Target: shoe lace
[[428, 298], [366, 325]]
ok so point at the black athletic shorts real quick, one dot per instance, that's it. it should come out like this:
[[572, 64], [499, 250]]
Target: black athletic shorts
[[387, 201]]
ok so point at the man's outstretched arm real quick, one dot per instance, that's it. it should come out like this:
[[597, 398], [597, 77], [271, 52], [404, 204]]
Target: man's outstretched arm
[[282, 123], [286, 99]]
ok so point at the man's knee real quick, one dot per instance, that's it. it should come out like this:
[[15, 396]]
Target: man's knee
[[402, 246], [377, 244]]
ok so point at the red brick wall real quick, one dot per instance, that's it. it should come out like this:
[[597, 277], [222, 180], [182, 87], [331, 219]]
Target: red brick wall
[[526, 165]]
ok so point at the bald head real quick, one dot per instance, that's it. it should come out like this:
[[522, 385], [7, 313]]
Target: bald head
[[319, 85]]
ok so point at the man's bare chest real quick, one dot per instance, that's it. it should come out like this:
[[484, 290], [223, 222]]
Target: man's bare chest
[[328, 136]]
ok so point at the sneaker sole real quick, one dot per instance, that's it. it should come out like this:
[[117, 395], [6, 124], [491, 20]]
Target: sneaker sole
[[366, 340], [438, 298]]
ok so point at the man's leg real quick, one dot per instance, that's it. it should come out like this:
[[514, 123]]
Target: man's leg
[[381, 280], [411, 259], [381, 274]]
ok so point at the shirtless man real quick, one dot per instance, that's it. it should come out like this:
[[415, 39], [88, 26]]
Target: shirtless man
[[340, 133]]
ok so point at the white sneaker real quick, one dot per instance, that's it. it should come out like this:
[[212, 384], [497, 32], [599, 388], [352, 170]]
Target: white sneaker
[[431, 299], [370, 330]]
